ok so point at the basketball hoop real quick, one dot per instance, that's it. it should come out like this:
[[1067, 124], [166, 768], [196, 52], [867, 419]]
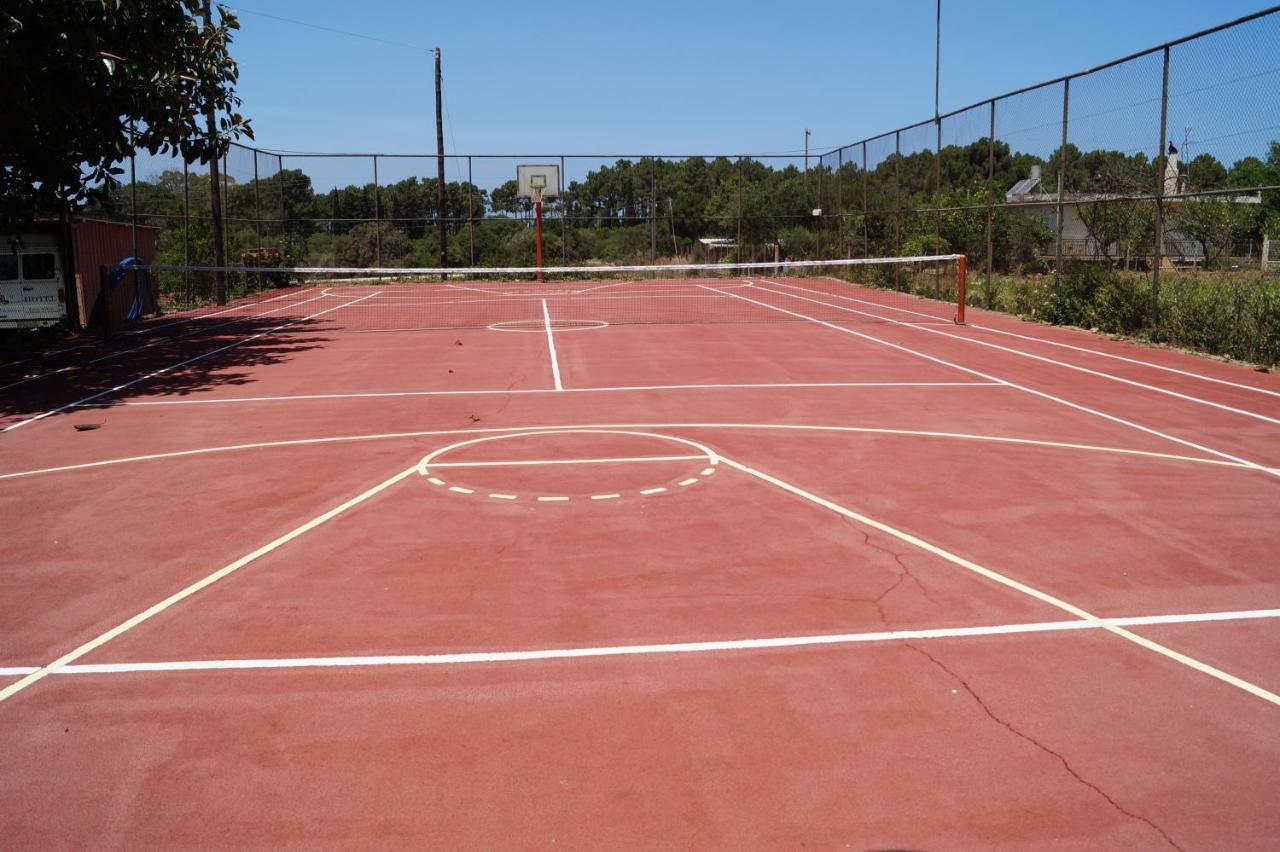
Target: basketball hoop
[[537, 182]]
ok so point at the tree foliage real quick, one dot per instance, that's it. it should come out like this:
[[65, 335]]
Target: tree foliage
[[84, 82]]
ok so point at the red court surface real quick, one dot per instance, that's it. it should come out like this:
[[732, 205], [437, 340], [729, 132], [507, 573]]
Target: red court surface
[[550, 576]]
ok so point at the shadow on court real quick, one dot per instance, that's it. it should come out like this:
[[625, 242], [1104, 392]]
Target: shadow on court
[[188, 356]]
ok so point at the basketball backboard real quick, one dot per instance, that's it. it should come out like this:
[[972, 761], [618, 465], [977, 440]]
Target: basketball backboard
[[534, 180]]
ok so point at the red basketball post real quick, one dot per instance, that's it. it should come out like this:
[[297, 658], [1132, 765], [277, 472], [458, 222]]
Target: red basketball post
[[537, 208]]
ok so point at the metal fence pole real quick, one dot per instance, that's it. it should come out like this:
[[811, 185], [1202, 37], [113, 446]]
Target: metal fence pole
[[471, 213], [840, 202], [1157, 259], [257, 202], [866, 233], [937, 202], [1062, 180], [897, 206], [653, 205], [186, 230], [564, 219], [284, 206], [987, 294], [226, 202], [377, 216]]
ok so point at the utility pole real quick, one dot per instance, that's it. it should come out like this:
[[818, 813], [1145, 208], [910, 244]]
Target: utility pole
[[806, 151], [444, 234], [215, 192], [937, 64]]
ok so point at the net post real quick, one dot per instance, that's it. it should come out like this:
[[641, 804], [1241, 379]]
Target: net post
[[961, 287]]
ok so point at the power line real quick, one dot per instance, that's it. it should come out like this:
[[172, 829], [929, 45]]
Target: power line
[[348, 33]]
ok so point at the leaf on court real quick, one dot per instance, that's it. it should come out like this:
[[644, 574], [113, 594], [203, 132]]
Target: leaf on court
[[87, 427], [457, 343]]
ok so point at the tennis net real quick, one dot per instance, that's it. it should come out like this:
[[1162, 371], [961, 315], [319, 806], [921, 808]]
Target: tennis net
[[899, 289]]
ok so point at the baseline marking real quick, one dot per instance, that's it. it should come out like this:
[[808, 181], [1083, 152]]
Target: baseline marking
[[1009, 582], [473, 657], [551, 345]]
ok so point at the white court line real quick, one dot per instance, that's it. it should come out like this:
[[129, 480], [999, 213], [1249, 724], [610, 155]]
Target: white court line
[[474, 657], [505, 391], [551, 345], [515, 462], [601, 287], [1042, 394], [1042, 358], [1009, 582], [146, 345], [858, 430], [157, 608], [1049, 342], [1127, 359], [164, 370]]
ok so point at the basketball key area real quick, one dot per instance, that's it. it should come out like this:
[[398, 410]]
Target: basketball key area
[[763, 553]]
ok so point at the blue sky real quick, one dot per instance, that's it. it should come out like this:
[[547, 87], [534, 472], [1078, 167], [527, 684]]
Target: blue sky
[[667, 77]]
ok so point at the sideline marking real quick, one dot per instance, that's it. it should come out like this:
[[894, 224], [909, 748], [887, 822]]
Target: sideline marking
[[1127, 359], [157, 608], [1045, 359], [1009, 582], [507, 391], [551, 345], [1042, 394], [472, 657], [164, 370], [857, 430]]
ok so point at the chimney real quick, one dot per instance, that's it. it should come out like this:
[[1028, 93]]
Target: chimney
[[1171, 172], [1035, 173]]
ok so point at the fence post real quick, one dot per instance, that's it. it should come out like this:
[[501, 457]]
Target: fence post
[[937, 199], [284, 209], [257, 200], [1157, 258], [186, 231], [653, 209], [377, 216], [564, 219], [988, 296], [897, 207], [471, 213], [1062, 180], [840, 203], [866, 231]]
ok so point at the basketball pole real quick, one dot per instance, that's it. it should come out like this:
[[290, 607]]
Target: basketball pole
[[537, 212]]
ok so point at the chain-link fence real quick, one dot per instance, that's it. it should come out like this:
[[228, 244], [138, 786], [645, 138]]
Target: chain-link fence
[[1161, 170]]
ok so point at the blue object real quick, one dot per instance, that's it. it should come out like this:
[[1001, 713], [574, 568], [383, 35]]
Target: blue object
[[138, 304]]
